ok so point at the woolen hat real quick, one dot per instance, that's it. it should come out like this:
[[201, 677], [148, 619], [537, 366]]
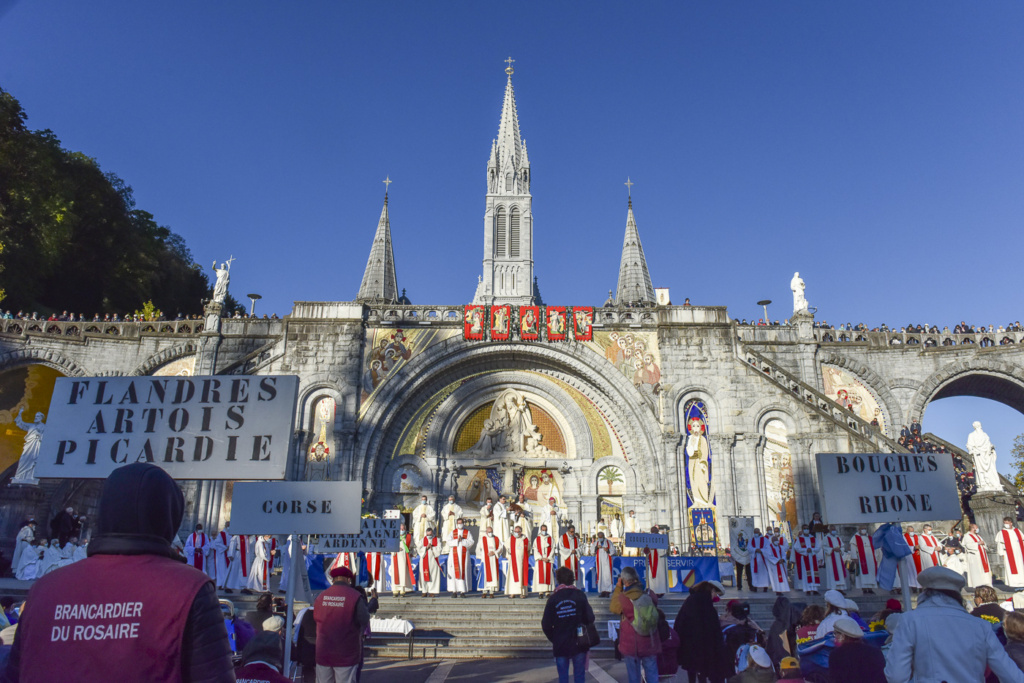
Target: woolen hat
[[941, 578], [343, 572], [894, 604], [264, 647], [848, 627], [759, 656], [835, 598]]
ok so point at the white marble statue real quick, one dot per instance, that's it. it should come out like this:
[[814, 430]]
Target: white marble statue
[[220, 289], [25, 473], [984, 454], [510, 428], [799, 300]]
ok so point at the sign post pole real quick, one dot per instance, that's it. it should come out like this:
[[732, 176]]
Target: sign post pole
[[294, 550], [904, 585]]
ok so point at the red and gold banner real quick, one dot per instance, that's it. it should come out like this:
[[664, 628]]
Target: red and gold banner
[[556, 323], [529, 323], [501, 322], [582, 323], [474, 323]]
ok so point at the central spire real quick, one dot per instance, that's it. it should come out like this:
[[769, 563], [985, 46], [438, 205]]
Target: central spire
[[508, 216], [634, 279]]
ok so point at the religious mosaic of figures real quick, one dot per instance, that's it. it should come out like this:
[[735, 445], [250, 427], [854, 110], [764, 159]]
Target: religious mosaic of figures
[[528, 323], [635, 355], [388, 349], [850, 392], [778, 474]]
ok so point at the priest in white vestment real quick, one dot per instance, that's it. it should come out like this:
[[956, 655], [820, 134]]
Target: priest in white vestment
[[489, 551], [449, 513], [52, 558], [835, 564], [806, 553], [422, 518], [1010, 545], [217, 561], [430, 567], [632, 527], [862, 546], [759, 561], [604, 549], [519, 514], [979, 571], [195, 548], [615, 528], [929, 547], [501, 521], [460, 569], [517, 578], [259, 572], [544, 561], [403, 580], [28, 563], [81, 552], [552, 517], [350, 560], [657, 568], [569, 550], [776, 557], [240, 553], [375, 569], [24, 539]]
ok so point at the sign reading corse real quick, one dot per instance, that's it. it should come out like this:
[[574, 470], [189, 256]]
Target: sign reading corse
[[861, 488], [295, 507], [222, 427]]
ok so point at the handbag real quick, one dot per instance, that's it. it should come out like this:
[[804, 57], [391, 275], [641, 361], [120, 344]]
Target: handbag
[[587, 636]]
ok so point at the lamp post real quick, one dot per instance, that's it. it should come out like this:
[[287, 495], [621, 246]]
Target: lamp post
[[764, 304], [254, 298]]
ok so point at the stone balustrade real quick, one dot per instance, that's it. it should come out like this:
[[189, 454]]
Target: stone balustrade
[[769, 334], [83, 329]]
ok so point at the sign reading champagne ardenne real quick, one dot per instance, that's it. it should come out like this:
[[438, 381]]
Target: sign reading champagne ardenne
[[861, 488], [220, 427]]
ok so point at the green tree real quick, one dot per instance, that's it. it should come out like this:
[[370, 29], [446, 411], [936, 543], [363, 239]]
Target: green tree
[[611, 476], [1017, 461], [73, 236]]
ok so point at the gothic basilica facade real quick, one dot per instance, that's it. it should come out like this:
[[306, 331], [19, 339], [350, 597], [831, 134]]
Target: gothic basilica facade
[[675, 412]]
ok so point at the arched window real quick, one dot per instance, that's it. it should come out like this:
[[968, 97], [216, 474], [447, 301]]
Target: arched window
[[513, 239], [501, 233], [508, 182]]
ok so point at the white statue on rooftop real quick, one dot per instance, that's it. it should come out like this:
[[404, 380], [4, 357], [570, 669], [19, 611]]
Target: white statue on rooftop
[[799, 300], [25, 474], [984, 453], [220, 289]]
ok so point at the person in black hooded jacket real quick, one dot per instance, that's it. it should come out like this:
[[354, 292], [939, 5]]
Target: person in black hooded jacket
[[147, 632], [701, 645]]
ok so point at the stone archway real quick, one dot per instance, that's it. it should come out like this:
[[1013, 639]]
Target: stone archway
[[997, 381]]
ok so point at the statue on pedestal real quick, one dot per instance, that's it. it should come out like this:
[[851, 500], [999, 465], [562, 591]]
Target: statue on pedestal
[[25, 473], [220, 288], [799, 300], [984, 454]]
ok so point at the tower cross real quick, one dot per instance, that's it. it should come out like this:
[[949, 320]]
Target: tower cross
[[509, 70], [629, 186], [387, 182]]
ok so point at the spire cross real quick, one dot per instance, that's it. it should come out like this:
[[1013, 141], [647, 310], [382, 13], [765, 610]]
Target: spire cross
[[509, 70], [629, 186], [387, 182]]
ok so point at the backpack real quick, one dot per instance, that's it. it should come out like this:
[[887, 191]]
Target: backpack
[[645, 615], [738, 639]]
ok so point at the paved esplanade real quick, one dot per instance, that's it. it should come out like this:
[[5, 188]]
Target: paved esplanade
[[663, 409]]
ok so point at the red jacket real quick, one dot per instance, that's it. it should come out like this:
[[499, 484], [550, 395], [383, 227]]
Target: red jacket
[[630, 644], [668, 661]]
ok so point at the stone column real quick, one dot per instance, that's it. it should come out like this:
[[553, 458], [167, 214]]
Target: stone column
[[206, 358]]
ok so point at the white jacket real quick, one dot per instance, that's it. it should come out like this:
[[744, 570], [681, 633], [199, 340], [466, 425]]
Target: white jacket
[[940, 641]]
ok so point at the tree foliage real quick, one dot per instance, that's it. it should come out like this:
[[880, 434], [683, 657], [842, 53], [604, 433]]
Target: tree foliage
[[73, 237], [1017, 463]]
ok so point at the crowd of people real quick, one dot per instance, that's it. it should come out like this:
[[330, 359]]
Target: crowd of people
[[850, 332], [115, 318]]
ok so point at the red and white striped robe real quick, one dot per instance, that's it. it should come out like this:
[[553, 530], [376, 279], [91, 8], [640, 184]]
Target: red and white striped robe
[[402, 576], [759, 549], [543, 564], [836, 576], [806, 549], [867, 564], [569, 550], [929, 547], [517, 578], [911, 540]]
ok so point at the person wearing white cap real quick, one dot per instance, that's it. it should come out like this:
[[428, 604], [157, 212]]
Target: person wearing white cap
[[852, 660], [921, 649], [835, 603], [759, 667]]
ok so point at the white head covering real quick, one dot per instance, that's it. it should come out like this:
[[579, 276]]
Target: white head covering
[[835, 598], [759, 656], [848, 627]]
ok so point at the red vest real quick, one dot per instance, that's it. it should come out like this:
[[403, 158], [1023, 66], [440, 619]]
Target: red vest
[[258, 673], [338, 636], [109, 617]]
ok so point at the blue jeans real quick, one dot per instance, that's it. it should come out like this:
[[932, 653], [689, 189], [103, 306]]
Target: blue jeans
[[578, 673], [649, 665]]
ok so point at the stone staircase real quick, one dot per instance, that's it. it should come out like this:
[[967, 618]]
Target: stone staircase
[[853, 425]]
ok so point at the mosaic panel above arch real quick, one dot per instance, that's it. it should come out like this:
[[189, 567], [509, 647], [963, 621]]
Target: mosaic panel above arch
[[847, 390], [469, 431]]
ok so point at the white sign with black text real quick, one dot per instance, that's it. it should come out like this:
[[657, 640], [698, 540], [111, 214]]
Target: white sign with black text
[[295, 507], [653, 541], [223, 427], [381, 535], [862, 488]]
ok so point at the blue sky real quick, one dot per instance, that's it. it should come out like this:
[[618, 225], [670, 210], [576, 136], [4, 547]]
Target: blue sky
[[876, 147]]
